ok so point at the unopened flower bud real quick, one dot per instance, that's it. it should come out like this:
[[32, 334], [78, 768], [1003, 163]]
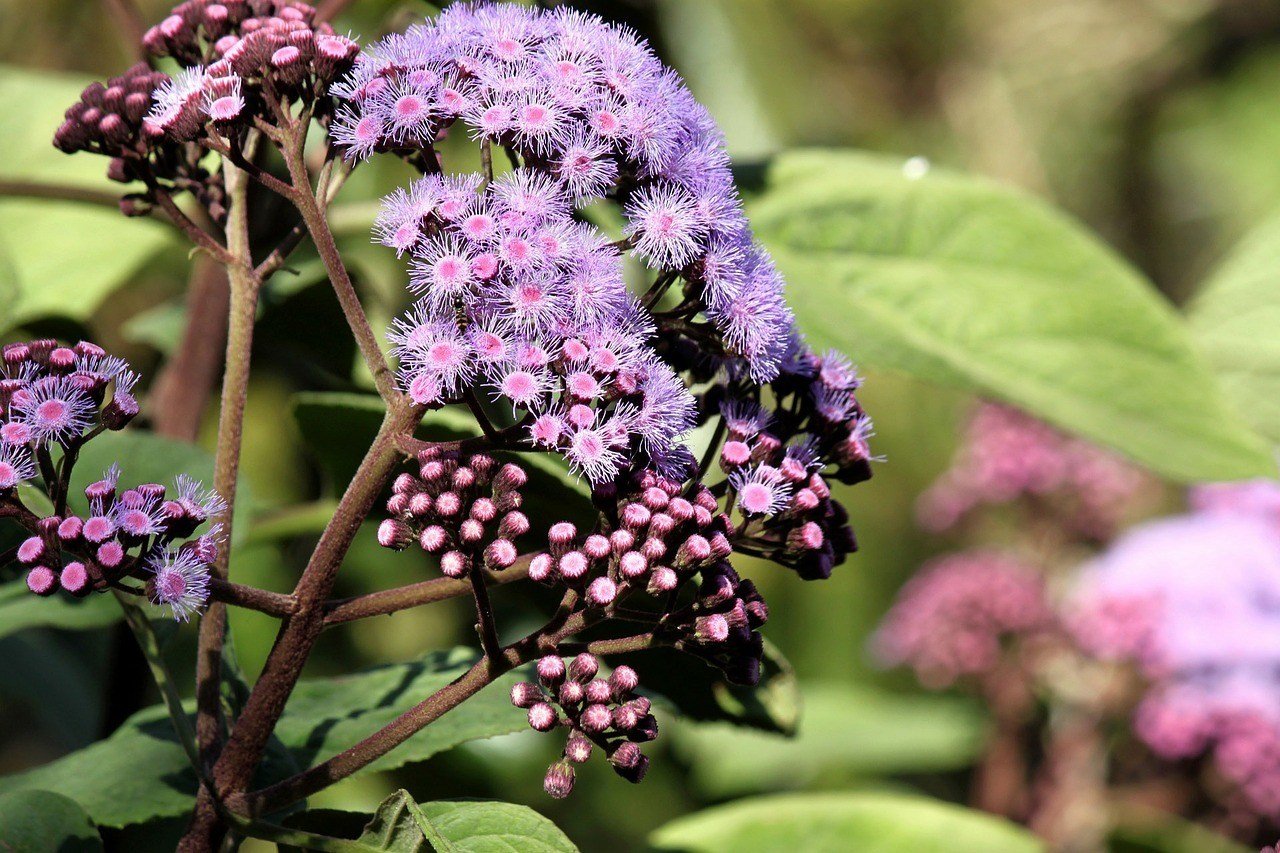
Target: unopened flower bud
[[635, 516], [623, 680], [570, 693], [540, 567], [110, 554], [470, 531], [454, 564], [551, 670], [601, 592], [41, 580], [633, 564], [711, 629], [483, 510], [583, 668], [573, 565], [525, 695], [433, 539], [596, 719], [596, 547], [69, 529], [621, 540], [693, 550], [395, 534], [500, 554], [74, 578], [577, 749], [542, 717], [30, 550], [559, 780], [663, 579], [448, 504], [513, 525], [561, 536]]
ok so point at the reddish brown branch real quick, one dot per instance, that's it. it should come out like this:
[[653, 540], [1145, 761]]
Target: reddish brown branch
[[185, 384]]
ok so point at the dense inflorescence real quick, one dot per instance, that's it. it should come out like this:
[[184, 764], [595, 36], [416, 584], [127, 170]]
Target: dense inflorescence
[[243, 62], [53, 399], [1190, 602], [1008, 455], [954, 619], [598, 712]]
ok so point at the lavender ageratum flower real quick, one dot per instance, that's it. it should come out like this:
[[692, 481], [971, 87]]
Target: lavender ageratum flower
[[591, 113], [16, 466], [180, 581], [1191, 601]]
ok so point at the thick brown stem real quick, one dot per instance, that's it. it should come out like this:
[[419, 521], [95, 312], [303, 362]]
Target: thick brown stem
[[252, 598], [59, 192], [183, 388], [388, 601]]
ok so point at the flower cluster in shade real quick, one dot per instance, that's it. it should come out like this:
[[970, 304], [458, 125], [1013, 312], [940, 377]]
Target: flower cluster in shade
[[53, 399], [239, 60], [955, 618], [1008, 455], [1193, 603], [589, 113], [53, 396], [597, 712]]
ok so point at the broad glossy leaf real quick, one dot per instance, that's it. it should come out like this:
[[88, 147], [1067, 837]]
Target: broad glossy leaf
[[447, 826], [19, 610], [64, 258], [960, 281], [846, 731], [1236, 321], [837, 823], [327, 715], [43, 820]]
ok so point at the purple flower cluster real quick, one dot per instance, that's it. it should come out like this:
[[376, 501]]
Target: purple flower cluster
[[1191, 601], [952, 620], [56, 396], [1008, 455], [603, 712], [547, 323], [144, 532], [463, 508], [589, 112]]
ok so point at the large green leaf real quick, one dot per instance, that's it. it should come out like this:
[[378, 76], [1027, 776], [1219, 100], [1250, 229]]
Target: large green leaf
[[19, 610], [42, 820], [846, 732], [1236, 320], [836, 823], [401, 825], [960, 281], [327, 715], [58, 258]]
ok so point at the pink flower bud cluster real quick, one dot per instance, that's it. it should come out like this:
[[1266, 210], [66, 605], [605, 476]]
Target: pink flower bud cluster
[[657, 542], [1008, 455], [463, 508], [598, 712], [144, 532], [108, 118], [721, 625], [56, 396], [952, 620], [238, 55]]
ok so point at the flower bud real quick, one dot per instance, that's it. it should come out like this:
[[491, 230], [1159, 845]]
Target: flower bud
[[455, 564], [573, 565], [559, 780], [633, 564], [30, 550], [577, 749], [561, 536], [663, 579], [74, 578], [623, 680], [621, 540], [395, 534], [596, 719], [500, 554], [570, 693], [596, 547], [122, 409], [110, 554], [483, 510], [470, 531], [509, 478], [601, 592], [540, 568], [551, 670], [513, 525], [69, 529], [583, 668], [525, 695], [542, 717], [433, 539]]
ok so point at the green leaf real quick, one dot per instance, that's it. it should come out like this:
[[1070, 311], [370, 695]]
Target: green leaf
[[846, 732], [138, 773], [160, 327], [61, 258], [1236, 321], [401, 825], [327, 715], [1146, 830], [959, 281], [20, 610], [43, 820], [836, 823]]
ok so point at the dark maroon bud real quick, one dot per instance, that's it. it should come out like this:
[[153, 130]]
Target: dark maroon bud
[[663, 579], [551, 670], [583, 668], [596, 719], [559, 780], [509, 478], [570, 693], [577, 749], [500, 554], [513, 525], [525, 695], [623, 680], [599, 691], [625, 755], [542, 717]]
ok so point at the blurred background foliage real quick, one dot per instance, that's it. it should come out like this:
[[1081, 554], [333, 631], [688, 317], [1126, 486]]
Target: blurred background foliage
[[1153, 121]]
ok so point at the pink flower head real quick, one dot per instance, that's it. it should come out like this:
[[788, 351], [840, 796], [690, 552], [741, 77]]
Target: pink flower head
[[54, 410], [761, 490], [180, 581], [16, 466]]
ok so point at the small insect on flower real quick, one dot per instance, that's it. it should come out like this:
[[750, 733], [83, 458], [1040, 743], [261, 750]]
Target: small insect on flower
[[180, 582]]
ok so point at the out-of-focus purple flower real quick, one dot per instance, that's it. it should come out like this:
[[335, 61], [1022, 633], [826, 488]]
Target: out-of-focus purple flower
[[1007, 455], [1194, 602], [1260, 498], [952, 619]]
